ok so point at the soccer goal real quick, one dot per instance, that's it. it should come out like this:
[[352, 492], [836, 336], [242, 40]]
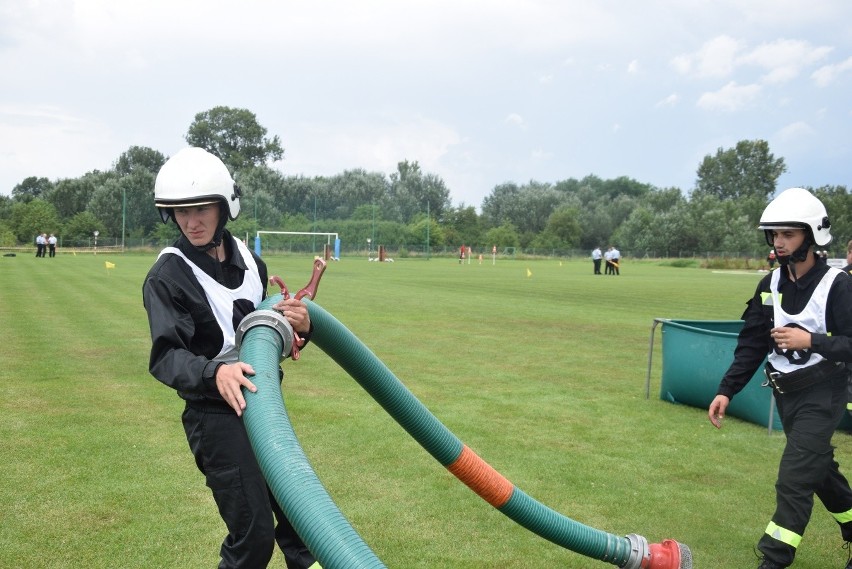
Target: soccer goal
[[316, 244]]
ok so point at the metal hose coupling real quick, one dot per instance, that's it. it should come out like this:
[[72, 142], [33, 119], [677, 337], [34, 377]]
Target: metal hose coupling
[[270, 319], [666, 555]]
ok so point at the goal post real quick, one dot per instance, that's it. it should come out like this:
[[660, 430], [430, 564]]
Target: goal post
[[328, 240]]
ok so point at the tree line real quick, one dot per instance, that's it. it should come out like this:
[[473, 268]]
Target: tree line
[[404, 208]]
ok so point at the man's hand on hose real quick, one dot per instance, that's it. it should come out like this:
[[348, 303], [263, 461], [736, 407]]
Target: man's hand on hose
[[230, 378]]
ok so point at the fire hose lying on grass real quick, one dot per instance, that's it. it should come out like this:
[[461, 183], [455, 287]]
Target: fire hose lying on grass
[[265, 335]]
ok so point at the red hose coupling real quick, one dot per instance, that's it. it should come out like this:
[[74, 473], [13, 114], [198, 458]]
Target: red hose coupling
[[666, 555], [670, 555]]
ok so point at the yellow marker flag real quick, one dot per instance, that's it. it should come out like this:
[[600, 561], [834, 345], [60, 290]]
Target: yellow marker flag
[[109, 265], [529, 273]]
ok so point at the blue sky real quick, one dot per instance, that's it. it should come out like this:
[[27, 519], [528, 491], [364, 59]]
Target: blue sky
[[478, 92]]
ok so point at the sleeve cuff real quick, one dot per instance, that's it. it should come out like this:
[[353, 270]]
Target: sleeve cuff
[[208, 377]]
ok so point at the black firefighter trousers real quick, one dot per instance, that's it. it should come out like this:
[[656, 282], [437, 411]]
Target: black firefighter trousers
[[222, 451], [809, 417]]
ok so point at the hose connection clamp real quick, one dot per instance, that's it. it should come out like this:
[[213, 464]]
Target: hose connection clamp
[[640, 554], [270, 319]]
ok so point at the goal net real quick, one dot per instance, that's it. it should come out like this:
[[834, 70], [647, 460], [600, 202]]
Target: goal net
[[315, 244]]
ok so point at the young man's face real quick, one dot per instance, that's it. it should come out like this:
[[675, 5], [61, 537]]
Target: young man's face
[[198, 223], [786, 241]]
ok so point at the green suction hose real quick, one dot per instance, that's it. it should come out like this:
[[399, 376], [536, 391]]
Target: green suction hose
[[314, 515], [263, 336]]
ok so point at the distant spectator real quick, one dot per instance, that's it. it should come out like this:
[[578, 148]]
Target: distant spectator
[[608, 262], [51, 244], [596, 260], [615, 257], [41, 244]]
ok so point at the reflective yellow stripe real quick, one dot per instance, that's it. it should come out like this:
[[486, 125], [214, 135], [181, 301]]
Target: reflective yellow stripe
[[766, 298], [843, 517], [316, 565], [783, 535]]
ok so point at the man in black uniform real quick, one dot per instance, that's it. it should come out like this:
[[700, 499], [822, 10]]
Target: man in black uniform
[[196, 294], [801, 314]]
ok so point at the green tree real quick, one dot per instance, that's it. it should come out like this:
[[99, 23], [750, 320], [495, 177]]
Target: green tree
[[164, 234], [130, 199], [34, 217], [416, 232], [356, 188], [526, 207], [563, 228], [259, 203], [235, 136], [138, 158], [413, 193], [838, 203], [718, 226], [5, 207], [31, 188], [506, 235], [462, 225], [641, 230], [71, 196], [80, 229], [138, 201], [294, 195], [7, 237], [749, 170]]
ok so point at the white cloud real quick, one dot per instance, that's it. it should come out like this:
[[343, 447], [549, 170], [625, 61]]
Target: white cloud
[[669, 101], [633, 67], [48, 141], [716, 58], [377, 145], [828, 74], [540, 155], [516, 120], [795, 131], [731, 97], [784, 59]]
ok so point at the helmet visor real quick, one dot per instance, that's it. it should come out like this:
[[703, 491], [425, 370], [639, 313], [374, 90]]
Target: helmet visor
[[186, 203], [780, 226]]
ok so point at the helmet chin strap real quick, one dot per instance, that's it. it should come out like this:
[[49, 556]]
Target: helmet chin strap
[[798, 256]]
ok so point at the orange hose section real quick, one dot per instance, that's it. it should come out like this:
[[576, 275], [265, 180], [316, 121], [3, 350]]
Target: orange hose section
[[480, 477]]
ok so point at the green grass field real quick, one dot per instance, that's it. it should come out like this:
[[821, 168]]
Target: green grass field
[[543, 376]]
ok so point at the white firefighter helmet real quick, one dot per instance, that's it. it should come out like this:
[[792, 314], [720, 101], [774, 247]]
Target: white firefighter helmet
[[798, 208], [195, 177]]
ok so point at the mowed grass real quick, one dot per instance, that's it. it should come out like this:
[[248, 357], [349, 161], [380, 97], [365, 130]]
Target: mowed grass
[[543, 376]]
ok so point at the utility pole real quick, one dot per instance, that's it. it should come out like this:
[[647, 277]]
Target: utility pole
[[123, 215], [428, 225]]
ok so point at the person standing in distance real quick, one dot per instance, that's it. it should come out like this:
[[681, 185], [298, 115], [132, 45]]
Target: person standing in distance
[[802, 313], [596, 260], [195, 294], [41, 243], [616, 259]]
